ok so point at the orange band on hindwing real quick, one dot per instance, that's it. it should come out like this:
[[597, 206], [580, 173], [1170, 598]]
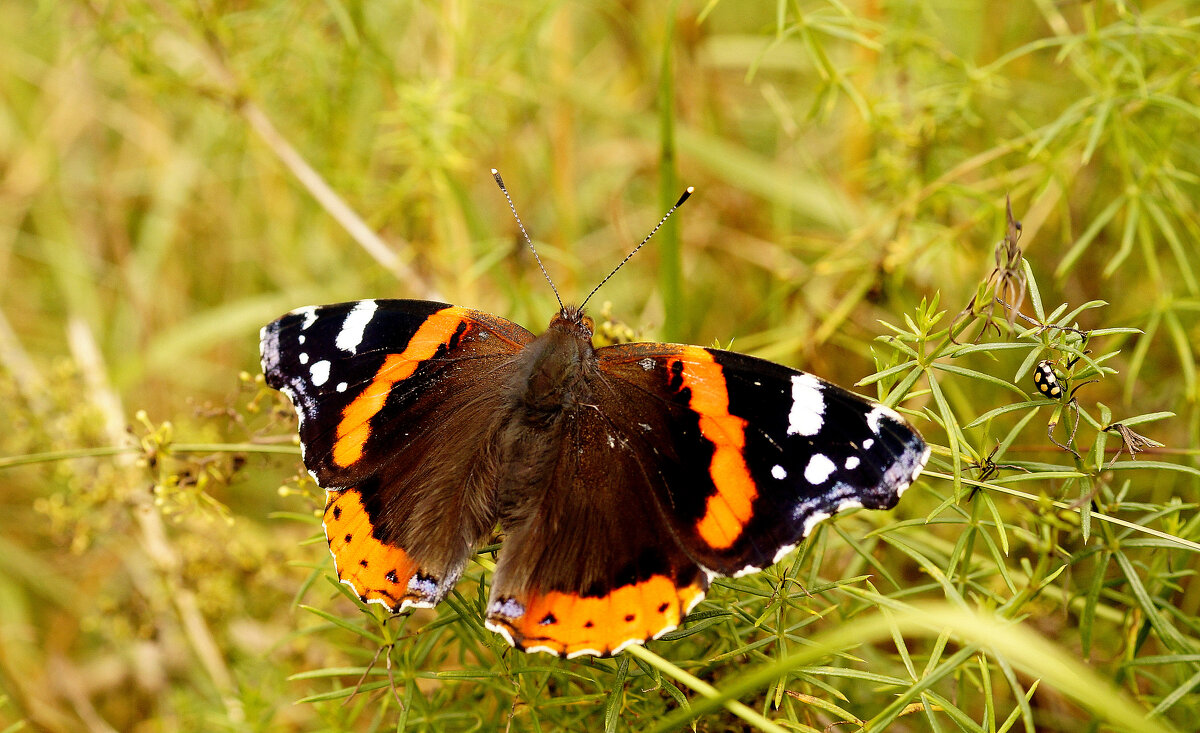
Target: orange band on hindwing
[[355, 425], [376, 571], [727, 511], [570, 624]]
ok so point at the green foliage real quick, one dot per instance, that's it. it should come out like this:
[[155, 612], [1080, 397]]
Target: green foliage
[[173, 176]]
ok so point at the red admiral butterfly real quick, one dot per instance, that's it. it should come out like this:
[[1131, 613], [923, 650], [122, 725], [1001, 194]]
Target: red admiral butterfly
[[625, 477]]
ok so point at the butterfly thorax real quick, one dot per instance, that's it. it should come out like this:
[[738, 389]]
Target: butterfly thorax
[[544, 394], [550, 378]]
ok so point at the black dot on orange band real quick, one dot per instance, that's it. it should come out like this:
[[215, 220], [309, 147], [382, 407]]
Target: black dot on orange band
[[663, 608], [337, 513], [548, 619], [363, 563], [391, 576], [349, 537], [629, 617], [676, 382], [589, 624]]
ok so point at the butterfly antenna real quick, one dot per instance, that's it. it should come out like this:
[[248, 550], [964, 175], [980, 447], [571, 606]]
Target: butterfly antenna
[[657, 226], [536, 256]]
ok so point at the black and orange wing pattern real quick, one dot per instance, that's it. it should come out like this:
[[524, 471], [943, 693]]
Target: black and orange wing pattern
[[381, 388]]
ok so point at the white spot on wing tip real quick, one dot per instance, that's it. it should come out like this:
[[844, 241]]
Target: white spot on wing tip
[[310, 316], [320, 372], [819, 469], [779, 472], [355, 325], [808, 406], [782, 552]]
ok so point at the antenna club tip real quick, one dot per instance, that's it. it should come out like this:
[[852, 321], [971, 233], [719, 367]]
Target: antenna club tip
[[690, 190], [684, 197], [495, 172]]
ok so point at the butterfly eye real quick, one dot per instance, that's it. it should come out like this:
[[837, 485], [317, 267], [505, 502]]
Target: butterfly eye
[[589, 324]]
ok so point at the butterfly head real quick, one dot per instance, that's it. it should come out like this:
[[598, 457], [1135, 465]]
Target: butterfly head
[[572, 320]]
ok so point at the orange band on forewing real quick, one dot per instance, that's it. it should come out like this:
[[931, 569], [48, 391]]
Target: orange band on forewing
[[376, 571], [569, 624], [727, 511], [355, 427]]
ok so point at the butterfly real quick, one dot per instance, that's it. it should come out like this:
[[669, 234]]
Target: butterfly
[[625, 478]]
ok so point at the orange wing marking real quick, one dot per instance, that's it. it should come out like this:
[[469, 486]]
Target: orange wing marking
[[355, 427], [573, 625], [728, 510], [378, 573]]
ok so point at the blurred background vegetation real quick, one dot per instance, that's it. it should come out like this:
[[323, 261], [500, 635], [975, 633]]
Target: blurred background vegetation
[[175, 175]]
